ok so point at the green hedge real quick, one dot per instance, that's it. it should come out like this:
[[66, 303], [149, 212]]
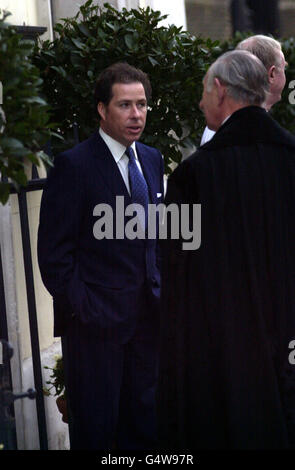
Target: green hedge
[[95, 38], [24, 118]]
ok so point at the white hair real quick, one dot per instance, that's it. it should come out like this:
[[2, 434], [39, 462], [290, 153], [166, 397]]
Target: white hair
[[263, 47], [243, 74]]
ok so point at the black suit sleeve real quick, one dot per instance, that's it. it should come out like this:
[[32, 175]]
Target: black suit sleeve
[[60, 217]]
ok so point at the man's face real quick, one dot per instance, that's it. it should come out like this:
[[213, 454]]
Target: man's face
[[277, 79], [209, 106], [124, 117]]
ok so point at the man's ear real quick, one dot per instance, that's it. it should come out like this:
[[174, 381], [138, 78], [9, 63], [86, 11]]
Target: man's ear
[[101, 109], [221, 90], [271, 73]]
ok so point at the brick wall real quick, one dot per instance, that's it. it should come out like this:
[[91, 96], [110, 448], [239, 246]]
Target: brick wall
[[287, 18], [211, 18], [208, 18]]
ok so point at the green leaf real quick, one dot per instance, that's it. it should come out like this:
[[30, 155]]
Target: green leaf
[[21, 177], [111, 26], [58, 136], [59, 70], [4, 192], [78, 43], [129, 41], [35, 99], [12, 143], [84, 30], [45, 158], [153, 61]]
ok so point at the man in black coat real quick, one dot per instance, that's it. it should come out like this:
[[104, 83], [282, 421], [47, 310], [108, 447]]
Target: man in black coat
[[227, 374], [269, 51]]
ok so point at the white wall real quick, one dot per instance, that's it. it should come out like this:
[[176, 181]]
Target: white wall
[[22, 11], [8, 265], [175, 9], [36, 12], [68, 8]]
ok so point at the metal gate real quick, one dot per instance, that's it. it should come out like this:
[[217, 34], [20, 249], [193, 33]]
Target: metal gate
[[7, 397]]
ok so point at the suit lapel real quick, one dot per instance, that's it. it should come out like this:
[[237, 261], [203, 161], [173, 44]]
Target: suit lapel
[[111, 174], [108, 168]]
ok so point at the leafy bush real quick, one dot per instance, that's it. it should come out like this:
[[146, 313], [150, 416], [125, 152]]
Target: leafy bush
[[97, 37], [56, 379], [24, 114]]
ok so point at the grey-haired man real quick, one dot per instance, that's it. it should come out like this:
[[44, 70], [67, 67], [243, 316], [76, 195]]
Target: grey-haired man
[[269, 51], [226, 377]]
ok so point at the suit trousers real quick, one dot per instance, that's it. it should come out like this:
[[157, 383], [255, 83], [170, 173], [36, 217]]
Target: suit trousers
[[111, 387]]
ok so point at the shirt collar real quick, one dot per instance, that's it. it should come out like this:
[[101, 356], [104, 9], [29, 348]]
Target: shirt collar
[[227, 117], [116, 148]]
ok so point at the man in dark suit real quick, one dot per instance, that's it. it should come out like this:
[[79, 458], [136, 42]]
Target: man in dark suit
[[106, 286]]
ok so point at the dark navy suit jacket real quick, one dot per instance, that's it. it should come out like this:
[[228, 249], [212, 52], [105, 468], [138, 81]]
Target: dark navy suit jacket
[[100, 281]]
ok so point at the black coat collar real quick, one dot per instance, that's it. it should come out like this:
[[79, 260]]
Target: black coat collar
[[250, 125]]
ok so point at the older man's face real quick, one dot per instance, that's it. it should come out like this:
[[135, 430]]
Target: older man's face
[[209, 106]]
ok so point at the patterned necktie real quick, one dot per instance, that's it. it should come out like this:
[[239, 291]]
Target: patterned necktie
[[138, 186]]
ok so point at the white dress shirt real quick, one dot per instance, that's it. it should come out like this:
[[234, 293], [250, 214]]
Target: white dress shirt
[[208, 133], [118, 152]]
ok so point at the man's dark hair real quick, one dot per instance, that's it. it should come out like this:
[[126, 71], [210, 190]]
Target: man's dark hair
[[121, 72]]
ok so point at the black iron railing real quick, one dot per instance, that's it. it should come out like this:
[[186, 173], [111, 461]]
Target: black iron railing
[[35, 184]]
